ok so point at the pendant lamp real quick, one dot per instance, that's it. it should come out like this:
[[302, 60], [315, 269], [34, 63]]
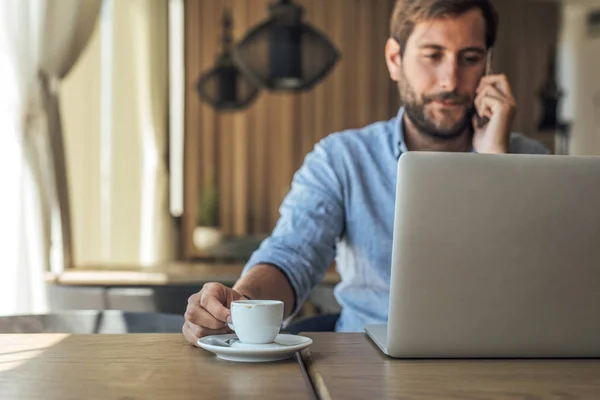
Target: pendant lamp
[[225, 87], [284, 53]]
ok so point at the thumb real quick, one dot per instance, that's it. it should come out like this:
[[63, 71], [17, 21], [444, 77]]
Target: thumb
[[217, 301]]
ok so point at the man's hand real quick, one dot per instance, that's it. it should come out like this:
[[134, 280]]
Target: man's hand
[[494, 101], [208, 310]]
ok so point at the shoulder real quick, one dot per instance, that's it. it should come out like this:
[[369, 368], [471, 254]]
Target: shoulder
[[521, 144], [357, 140]]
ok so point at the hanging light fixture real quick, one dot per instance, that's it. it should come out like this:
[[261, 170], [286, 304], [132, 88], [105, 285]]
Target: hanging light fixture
[[285, 53], [225, 87]]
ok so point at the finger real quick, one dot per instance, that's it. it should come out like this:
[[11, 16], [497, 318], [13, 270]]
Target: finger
[[201, 331], [189, 335], [213, 297], [499, 81], [483, 106], [493, 91], [195, 298], [482, 109], [484, 84], [490, 105], [201, 317], [484, 87], [495, 79], [484, 116], [215, 307]]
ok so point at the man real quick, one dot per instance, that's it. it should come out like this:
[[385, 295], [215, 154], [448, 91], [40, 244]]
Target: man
[[341, 203]]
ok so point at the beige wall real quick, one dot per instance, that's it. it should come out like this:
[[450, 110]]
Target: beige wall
[[579, 66], [80, 106], [117, 165]]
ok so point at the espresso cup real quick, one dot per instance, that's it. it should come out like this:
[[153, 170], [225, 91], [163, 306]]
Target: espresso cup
[[256, 321]]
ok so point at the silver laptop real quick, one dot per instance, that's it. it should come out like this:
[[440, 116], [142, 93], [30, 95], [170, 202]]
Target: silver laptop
[[494, 256]]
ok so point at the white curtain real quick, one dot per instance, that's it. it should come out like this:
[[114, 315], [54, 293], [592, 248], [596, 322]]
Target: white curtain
[[137, 228], [40, 40], [118, 171]]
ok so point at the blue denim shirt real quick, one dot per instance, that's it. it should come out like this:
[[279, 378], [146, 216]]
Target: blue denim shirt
[[341, 206]]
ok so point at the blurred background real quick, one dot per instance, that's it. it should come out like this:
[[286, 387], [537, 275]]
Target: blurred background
[[145, 145]]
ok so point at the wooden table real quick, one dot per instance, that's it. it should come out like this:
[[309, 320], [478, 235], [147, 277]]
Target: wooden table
[[173, 273], [131, 367], [174, 281], [349, 366]]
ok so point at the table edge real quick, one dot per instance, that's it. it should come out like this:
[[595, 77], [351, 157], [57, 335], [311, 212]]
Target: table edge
[[317, 382]]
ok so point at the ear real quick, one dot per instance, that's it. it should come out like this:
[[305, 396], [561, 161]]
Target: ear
[[393, 59]]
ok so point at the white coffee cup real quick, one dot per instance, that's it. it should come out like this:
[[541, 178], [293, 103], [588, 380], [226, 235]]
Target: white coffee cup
[[256, 321]]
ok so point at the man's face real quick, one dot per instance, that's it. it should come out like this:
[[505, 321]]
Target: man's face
[[438, 74]]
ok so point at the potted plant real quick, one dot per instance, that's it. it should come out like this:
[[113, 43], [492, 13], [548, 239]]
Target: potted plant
[[207, 234]]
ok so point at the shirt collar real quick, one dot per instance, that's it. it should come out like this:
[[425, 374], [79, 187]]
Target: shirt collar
[[399, 145]]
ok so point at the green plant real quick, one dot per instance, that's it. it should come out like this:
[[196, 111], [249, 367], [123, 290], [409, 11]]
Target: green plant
[[207, 206]]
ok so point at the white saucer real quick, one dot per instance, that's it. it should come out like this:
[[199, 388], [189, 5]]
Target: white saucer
[[284, 347]]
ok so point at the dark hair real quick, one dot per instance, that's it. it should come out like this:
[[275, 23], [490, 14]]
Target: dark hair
[[408, 13]]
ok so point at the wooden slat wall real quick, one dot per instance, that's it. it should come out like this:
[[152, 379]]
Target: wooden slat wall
[[527, 31], [253, 154]]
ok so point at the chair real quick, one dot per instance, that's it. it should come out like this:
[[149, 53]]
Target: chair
[[104, 321], [319, 323]]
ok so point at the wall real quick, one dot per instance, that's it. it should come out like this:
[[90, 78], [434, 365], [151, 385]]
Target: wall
[[258, 150], [527, 31], [114, 108], [80, 107], [579, 66]]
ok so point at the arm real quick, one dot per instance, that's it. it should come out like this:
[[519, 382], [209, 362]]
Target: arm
[[291, 261], [267, 282], [295, 258]]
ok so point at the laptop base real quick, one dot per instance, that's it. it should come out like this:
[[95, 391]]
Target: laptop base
[[378, 334]]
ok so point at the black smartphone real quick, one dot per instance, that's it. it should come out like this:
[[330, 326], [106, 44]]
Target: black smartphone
[[481, 121]]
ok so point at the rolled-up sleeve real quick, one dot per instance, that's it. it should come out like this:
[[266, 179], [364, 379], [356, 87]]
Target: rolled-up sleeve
[[303, 242]]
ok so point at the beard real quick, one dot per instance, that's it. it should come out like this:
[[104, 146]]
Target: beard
[[442, 129]]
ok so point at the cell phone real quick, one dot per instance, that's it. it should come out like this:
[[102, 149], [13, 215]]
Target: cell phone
[[481, 121]]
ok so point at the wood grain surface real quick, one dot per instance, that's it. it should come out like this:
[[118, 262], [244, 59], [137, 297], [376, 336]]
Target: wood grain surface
[[350, 366], [132, 367]]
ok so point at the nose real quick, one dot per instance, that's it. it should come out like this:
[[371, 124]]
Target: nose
[[449, 74]]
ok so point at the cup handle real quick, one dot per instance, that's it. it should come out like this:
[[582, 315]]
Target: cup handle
[[231, 326]]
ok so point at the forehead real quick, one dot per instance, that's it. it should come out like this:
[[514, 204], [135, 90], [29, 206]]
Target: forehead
[[452, 32]]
